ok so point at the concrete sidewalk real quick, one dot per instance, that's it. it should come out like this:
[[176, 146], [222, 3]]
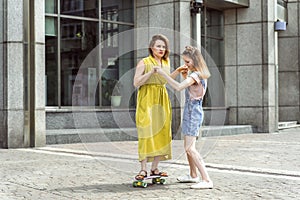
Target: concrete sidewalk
[[249, 166]]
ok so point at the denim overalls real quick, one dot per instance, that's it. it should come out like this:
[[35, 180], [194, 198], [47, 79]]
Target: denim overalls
[[192, 115]]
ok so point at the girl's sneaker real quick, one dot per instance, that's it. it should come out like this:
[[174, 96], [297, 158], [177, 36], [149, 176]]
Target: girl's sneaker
[[203, 185], [188, 179]]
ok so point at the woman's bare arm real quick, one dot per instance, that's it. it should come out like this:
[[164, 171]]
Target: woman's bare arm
[[174, 84], [140, 78]]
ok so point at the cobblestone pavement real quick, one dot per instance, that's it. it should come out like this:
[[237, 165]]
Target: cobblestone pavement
[[250, 166]]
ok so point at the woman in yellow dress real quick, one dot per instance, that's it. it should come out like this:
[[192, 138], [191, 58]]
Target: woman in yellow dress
[[153, 109]]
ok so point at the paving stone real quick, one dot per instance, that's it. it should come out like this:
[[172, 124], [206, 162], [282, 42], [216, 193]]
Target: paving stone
[[251, 166]]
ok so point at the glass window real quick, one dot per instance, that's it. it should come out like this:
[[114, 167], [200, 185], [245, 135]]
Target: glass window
[[212, 41], [51, 62], [72, 36], [115, 10], [212, 34], [78, 39], [50, 6], [50, 26], [116, 51], [83, 8], [116, 58]]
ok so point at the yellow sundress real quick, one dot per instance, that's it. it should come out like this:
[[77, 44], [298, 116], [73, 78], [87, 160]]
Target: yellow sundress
[[154, 115]]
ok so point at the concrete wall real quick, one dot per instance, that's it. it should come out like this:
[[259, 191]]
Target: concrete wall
[[11, 70], [250, 65], [289, 66], [14, 73]]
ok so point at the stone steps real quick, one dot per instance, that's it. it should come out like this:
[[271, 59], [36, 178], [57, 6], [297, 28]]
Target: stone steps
[[67, 136], [208, 131], [288, 124]]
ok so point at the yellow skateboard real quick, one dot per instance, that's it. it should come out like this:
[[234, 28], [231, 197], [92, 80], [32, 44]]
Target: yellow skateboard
[[156, 179]]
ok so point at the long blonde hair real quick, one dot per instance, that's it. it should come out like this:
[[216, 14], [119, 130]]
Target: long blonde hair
[[198, 60]]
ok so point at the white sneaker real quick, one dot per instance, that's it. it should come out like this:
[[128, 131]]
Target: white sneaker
[[188, 179], [203, 185]]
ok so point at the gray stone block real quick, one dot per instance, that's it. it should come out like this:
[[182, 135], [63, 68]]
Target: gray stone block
[[40, 128], [292, 27], [230, 51], [159, 2], [15, 76], [40, 77], [14, 18], [209, 131], [65, 136], [251, 115], [230, 17], [230, 86], [288, 53], [159, 17], [141, 3], [250, 14], [289, 113], [289, 90], [142, 16], [249, 44], [2, 77], [250, 86], [39, 17], [16, 136], [89, 119], [232, 115]]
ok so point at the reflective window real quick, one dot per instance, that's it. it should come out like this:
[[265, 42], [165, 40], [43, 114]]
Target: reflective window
[[85, 59], [50, 6], [213, 43], [212, 34], [116, 10], [51, 61], [84, 8], [116, 50], [78, 39], [116, 59]]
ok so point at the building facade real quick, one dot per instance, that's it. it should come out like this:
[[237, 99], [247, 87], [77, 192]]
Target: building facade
[[63, 60]]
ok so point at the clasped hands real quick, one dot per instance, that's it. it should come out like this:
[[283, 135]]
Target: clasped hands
[[182, 69]]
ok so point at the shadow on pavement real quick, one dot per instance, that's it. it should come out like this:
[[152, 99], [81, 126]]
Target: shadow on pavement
[[109, 188]]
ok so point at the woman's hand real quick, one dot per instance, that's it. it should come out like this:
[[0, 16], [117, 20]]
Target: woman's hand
[[157, 69], [183, 70]]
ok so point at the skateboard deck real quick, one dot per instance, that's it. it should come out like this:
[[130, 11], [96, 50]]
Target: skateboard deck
[[156, 179]]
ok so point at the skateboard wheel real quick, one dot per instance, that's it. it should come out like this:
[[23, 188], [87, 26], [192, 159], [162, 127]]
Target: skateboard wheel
[[155, 180], [144, 184], [163, 181], [134, 184]]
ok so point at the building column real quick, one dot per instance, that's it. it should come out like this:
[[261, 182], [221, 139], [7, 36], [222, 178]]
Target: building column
[[269, 68], [176, 25], [251, 73], [289, 65], [22, 107]]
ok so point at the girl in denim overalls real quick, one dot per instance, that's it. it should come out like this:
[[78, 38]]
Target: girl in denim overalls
[[195, 85]]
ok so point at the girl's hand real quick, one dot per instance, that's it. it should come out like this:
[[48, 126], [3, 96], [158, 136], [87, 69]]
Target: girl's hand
[[182, 68], [184, 74]]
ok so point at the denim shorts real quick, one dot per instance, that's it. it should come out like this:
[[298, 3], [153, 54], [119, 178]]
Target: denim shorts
[[192, 117]]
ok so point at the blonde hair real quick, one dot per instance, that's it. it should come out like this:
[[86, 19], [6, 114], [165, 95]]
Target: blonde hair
[[198, 60], [165, 40]]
